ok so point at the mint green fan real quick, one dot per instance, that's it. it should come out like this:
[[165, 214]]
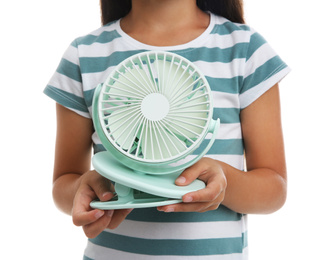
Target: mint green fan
[[151, 114]]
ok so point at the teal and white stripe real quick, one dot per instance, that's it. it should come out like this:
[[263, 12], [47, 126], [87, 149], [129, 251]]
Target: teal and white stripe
[[178, 234], [105, 253], [239, 66]]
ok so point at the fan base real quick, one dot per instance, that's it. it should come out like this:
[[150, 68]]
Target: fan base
[[154, 190], [127, 198], [136, 203]]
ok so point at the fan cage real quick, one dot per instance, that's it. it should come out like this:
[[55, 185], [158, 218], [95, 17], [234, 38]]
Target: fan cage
[[170, 135]]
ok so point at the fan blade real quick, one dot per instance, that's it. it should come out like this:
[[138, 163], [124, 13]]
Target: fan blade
[[173, 78], [122, 126], [157, 143], [191, 115], [132, 83]]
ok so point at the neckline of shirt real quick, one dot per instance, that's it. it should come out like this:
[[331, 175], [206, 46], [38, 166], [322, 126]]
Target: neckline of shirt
[[191, 44]]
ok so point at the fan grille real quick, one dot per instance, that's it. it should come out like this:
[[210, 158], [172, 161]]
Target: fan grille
[[155, 107]]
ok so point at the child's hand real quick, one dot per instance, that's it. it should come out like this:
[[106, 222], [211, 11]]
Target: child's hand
[[210, 171], [94, 221]]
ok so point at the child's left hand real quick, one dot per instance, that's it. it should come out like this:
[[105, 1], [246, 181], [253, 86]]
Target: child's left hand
[[210, 171]]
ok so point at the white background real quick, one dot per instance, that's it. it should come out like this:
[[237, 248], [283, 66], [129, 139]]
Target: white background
[[34, 35]]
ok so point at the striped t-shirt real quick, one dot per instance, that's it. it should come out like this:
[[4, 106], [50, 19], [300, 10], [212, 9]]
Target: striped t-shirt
[[239, 66]]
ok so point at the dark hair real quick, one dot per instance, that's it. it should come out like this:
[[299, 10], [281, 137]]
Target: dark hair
[[232, 10]]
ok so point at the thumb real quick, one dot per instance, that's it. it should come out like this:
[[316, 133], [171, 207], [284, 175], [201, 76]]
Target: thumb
[[189, 175]]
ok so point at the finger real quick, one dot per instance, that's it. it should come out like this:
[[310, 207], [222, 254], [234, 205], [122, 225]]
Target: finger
[[196, 207], [188, 207], [118, 217], [102, 188], [82, 214], [192, 207], [82, 218], [95, 228], [215, 187], [202, 200], [192, 173], [210, 193]]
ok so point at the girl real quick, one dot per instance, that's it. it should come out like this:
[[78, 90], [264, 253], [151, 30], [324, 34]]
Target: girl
[[243, 73]]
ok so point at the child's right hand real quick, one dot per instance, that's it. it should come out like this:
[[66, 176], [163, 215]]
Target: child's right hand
[[94, 221]]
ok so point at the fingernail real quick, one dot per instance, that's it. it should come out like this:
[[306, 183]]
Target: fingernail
[[181, 180], [187, 199], [106, 194], [110, 213], [169, 210], [99, 214]]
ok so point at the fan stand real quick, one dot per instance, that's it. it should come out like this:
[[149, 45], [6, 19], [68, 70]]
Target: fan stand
[[139, 190]]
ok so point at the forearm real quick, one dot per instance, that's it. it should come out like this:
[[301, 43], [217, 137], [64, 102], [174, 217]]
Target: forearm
[[259, 191], [64, 190]]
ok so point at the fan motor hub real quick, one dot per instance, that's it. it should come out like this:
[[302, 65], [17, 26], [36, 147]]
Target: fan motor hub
[[155, 106]]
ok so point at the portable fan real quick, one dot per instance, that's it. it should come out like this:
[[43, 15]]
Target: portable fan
[[151, 114]]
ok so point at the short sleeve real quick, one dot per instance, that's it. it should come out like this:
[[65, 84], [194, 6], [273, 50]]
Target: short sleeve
[[65, 86], [263, 69]]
